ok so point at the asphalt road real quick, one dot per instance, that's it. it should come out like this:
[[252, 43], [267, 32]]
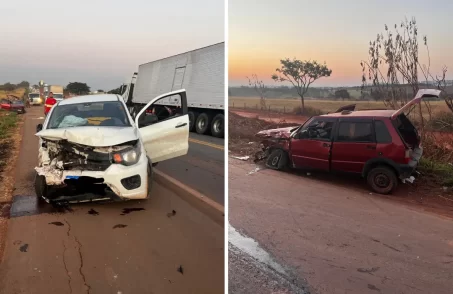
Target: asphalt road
[[331, 238], [202, 168], [162, 245]]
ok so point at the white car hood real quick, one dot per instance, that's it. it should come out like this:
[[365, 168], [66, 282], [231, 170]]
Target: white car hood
[[91, 135]]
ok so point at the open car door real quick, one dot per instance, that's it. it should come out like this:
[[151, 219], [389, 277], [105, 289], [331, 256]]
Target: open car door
[[164, 126], [417, 99]]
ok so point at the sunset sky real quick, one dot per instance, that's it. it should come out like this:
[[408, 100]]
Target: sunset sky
[[337, 32], [100, 42]]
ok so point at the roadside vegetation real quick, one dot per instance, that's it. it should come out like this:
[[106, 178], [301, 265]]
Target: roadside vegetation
[[8, 123]]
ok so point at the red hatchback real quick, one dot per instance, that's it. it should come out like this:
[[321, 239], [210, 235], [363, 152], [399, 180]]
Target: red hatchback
[[12, 105], [381, 145]]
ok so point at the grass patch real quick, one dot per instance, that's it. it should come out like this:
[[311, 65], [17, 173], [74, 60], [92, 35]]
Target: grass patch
[[308, 111], [287, 105], [442, 170], [7, 122]]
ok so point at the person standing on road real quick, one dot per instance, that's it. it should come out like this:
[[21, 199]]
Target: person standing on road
[[50, 102]]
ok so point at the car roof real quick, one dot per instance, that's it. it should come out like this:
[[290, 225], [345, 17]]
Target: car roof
[[362, 113], [89, 98]]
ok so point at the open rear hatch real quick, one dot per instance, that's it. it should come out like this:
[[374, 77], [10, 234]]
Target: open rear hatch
[[406, 129]]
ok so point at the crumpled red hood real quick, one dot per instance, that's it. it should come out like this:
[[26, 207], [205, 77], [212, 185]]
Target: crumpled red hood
[[281, 133]]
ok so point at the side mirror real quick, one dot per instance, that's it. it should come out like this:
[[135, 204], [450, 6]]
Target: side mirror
[[147, 119], [38, 128]]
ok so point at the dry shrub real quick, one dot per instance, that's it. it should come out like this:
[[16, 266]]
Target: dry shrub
[[441, 122]]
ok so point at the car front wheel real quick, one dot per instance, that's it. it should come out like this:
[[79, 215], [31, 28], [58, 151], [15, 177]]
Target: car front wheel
[[278, 159], [382, 180], [150, 179], [41, 188]]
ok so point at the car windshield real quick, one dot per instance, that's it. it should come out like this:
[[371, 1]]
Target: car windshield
[[58, 96], [17, 102], [34, 95], [109, 114]]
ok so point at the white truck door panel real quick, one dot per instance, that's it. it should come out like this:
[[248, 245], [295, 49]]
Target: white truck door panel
[[169, 138]]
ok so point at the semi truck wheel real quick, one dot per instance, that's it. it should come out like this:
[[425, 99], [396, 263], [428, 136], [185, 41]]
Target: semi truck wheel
[[192, 119], [202, 123], [217, 126]]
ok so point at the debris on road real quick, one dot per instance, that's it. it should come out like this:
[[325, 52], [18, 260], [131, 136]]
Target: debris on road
[[172, 213], [245, 158], [58, 224], [180, 270], [119, 226], [93, 212], [129, 210], [23, 248], [257, 169], [411, 180]]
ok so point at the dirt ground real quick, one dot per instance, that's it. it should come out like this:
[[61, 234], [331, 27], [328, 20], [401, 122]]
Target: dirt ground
[[9, 152], [425, 193], [335, 236]]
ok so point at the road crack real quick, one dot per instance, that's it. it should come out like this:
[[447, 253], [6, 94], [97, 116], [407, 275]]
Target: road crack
[[66, 268], [79, 249]]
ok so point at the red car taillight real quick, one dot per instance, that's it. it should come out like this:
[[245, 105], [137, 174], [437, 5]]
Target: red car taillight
[[408, 155]]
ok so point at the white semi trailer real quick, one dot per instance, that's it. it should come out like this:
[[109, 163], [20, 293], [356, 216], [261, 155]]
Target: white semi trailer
[[200, 72]]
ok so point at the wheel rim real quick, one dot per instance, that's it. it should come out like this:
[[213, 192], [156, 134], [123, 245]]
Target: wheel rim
[[217, 126], [275, 160], [382, 181], [201, 123]]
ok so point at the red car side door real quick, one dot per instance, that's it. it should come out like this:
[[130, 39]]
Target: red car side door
[[354, 144], [310, 148]]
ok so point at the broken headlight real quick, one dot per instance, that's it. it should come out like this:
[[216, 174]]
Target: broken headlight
[[128, 156]]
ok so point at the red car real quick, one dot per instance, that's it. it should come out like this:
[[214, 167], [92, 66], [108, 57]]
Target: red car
[[13, 105], [381, 145]]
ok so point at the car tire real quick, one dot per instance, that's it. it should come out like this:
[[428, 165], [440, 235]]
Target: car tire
[[193, 116], [41, 188], [150, 180], [277, 159], [202, 124], [217, 126], [382, 180]]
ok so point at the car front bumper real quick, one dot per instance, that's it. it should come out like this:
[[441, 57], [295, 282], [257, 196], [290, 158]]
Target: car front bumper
[[113, 176]]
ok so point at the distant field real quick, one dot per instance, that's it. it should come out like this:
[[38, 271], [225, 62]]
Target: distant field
[[18, 92], [288, 105]]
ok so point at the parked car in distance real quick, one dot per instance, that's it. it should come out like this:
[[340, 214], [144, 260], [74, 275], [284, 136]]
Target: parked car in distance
[[58, 97], [381, 145], [13, 105], [35, 99], [92, 143]]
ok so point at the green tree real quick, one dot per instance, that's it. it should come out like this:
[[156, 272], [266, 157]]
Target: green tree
[[100, 91], [8, 87], [78, 88], [301, 74], [342, 94], [24, 84], [115, 91]]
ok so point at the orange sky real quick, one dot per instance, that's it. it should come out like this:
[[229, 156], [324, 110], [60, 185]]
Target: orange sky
[[261, 35]]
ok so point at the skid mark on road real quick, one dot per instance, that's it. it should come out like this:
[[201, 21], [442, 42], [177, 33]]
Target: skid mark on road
[[220, 147]]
